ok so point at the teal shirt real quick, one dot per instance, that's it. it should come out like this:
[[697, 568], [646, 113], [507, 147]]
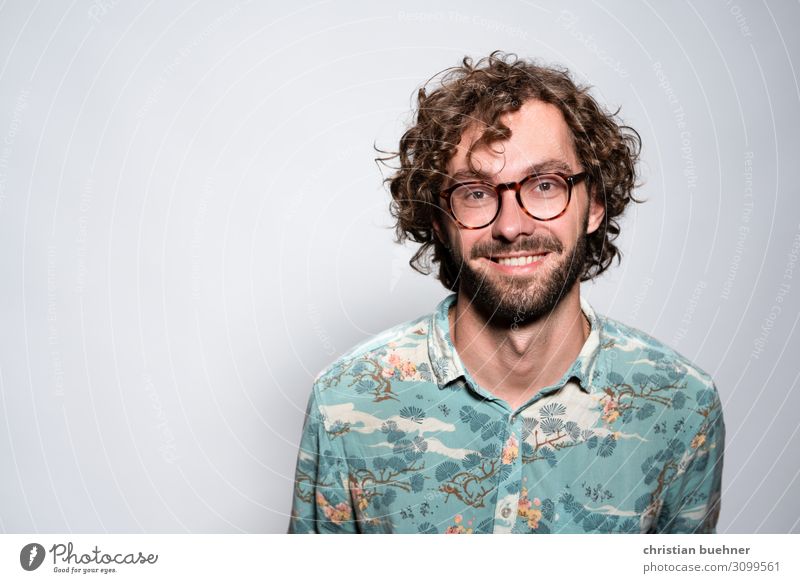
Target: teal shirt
[[399, 438]]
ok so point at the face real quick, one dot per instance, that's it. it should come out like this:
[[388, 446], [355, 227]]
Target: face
[[553, 252]]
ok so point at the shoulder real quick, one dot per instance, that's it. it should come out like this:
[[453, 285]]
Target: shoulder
[[646, 360], [379, 357]]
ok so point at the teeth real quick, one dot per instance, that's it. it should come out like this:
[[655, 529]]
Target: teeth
[[517, 261]]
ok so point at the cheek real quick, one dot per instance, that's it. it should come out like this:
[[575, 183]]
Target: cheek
[[468, 240], [455, 238], [575, 223]]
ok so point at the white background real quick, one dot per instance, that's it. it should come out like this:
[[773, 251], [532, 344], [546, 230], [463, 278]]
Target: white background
[[193, 226]]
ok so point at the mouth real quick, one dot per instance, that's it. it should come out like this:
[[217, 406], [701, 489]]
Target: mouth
[[518, 260], [517, 264]]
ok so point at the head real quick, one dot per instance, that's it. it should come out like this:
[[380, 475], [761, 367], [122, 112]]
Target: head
[[495, 119]]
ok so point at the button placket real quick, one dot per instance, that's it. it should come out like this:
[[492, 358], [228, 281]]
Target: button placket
[[510, 455]]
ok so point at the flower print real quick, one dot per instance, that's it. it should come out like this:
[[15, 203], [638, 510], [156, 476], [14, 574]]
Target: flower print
[[611, 411], [528, 510], [524, 504], [534, 516], [358, 496], [458, 528], [510, 450], [408, 369], [698, 440], [404, 369], [337, 514]]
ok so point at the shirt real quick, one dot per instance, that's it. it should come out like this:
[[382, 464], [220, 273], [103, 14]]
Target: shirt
[[399, 438]]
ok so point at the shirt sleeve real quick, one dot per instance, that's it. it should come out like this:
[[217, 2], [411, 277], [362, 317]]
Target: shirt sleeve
[[321, 502], [692, 501]]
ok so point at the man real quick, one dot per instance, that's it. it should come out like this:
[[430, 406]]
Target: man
[[514, 407]]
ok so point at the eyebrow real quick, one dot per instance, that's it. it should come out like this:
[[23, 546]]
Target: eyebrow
[[549, 165]]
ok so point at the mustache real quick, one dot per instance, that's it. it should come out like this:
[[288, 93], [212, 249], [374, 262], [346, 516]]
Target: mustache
[[532, 245]]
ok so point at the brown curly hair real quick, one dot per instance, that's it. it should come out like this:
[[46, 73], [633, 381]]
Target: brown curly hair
[[481, 93]]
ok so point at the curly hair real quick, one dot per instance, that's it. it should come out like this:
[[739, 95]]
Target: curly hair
[[480, 93]]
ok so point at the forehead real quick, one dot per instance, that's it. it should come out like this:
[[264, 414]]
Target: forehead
[[538, 132]]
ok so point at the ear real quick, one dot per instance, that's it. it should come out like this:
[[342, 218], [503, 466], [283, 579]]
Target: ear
[[597, 212]]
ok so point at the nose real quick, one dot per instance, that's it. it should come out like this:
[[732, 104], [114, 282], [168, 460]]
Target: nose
[[512, 221]]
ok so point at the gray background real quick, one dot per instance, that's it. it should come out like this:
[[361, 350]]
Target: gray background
[[193, 226]]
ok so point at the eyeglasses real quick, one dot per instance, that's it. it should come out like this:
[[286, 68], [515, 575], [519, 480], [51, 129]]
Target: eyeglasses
[[544, 197]]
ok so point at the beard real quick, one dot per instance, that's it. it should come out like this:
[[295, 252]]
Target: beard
[[509, 301]]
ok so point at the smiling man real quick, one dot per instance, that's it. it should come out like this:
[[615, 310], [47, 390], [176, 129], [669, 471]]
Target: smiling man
[[514, 406]]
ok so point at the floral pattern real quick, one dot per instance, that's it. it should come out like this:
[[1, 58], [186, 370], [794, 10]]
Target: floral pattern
[[336, 514], [399, 437], [458, 527], [529, 509], [511, 450]]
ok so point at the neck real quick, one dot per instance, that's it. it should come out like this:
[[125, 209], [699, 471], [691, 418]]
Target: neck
[[514, 362]]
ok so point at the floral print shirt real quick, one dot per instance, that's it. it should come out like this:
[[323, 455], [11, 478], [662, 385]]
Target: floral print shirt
[[399, 438]]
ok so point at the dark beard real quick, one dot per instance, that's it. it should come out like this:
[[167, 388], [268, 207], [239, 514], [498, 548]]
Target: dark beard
[[518, 300]]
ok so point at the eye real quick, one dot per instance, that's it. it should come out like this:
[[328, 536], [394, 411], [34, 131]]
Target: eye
[[545, 186], [473, 193]]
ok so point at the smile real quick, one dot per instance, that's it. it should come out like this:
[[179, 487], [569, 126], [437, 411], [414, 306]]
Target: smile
[[517, 265], [521, 260]]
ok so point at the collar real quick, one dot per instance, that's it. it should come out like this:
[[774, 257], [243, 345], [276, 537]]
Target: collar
[[448, 367]]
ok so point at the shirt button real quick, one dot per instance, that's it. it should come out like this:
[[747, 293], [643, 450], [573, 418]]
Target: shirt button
[[505, 512]]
